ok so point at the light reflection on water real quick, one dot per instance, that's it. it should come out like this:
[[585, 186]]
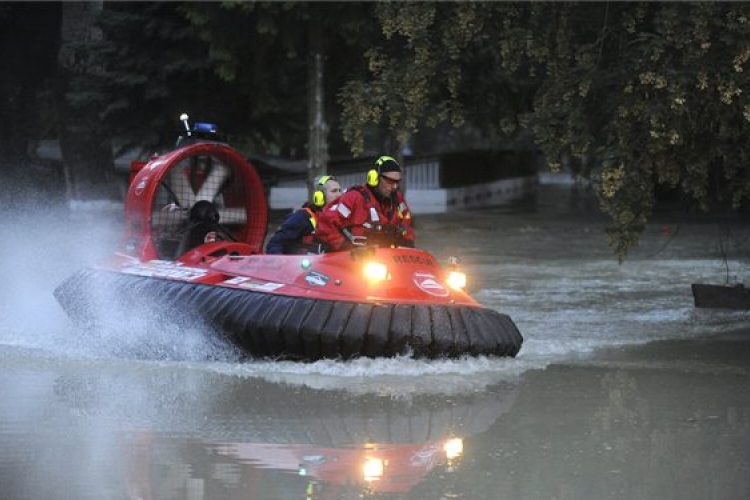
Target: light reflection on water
[[113, 416], [146, 430]]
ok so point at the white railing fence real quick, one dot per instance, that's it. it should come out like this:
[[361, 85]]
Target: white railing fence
[[423, 174]]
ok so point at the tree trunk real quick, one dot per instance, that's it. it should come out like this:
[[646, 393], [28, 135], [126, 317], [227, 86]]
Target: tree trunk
[[85, 146], [317, 144]]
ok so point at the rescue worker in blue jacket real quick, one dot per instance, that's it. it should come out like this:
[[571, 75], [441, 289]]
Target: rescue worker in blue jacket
[[296, 235]]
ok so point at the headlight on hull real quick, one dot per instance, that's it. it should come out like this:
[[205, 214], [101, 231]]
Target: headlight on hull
[[373, 469], [456, 280], [453, 448], [375, 271]]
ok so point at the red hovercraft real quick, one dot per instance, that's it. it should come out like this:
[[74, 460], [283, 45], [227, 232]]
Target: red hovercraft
[[195, 224]]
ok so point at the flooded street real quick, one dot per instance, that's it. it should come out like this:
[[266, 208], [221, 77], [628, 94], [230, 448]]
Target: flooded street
[[622, 389]]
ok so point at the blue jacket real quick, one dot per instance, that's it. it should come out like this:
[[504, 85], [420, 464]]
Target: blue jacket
[[294, 235]]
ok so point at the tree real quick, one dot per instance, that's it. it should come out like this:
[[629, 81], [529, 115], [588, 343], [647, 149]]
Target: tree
[[257, 49], [86, 148], [413, 71], [654, 94], [153, 66], [275, 47], [317, 142], [644, 95], [648, 94], [26, 32]]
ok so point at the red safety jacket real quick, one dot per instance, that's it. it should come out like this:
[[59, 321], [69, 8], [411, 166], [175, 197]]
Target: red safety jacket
[[360, 212]]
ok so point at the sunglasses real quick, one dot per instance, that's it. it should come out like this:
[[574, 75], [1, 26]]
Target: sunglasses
[[389, 180]]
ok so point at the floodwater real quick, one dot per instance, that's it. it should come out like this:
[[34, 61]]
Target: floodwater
[[621, 390]]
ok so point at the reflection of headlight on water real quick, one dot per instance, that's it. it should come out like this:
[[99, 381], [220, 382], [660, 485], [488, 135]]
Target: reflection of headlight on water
[[453, 448], [456, 280], [375, 271], [373, 469]]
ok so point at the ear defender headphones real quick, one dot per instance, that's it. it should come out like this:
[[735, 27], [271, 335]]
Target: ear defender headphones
[[319, 196], [373, 175]]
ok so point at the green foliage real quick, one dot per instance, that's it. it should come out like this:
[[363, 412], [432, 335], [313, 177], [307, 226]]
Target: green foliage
[[656, 89], [150, 66], [414, 70], [642, 94], [255, 49], [263, 50], [28, 50]]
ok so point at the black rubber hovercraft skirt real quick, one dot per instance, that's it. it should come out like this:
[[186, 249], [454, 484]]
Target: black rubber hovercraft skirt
[[265, 325]]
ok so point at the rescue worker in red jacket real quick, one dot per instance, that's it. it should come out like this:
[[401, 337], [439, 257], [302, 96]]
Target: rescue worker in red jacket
[[375, 213], [296, 235]]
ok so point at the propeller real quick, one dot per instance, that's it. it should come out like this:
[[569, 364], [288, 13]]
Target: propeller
[[212, 185], [180, 188], [195, 179]]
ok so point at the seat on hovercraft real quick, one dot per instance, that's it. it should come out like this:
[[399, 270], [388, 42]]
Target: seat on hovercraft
[[202, 227]]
